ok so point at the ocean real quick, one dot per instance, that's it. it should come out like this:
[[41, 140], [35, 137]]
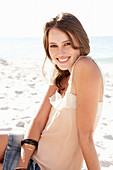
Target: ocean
[[32, 48]]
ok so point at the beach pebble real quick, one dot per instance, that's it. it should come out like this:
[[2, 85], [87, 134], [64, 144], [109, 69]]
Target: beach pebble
[[20, 124], [3, 62], [4, 108], [5, 129]]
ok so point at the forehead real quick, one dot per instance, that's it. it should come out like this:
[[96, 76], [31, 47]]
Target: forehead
[[56, 34]]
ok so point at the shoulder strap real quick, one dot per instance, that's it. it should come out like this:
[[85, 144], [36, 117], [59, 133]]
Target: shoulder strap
[[71, 76]]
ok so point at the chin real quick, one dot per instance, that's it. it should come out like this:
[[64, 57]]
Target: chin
[[62, 68]]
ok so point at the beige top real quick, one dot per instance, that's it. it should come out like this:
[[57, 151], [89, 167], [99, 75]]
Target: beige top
[[59, 147]]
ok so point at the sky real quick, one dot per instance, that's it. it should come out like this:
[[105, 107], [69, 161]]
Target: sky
[[26, 18]]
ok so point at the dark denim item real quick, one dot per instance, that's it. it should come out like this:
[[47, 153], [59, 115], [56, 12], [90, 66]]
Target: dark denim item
[[12, 154]]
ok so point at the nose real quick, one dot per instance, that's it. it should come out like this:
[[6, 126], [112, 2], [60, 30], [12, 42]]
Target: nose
[[61, 51]]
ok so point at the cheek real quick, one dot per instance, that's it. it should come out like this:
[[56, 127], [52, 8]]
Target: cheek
[[76, 53], [52, 53]]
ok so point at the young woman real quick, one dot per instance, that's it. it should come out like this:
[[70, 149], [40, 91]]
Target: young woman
[[61, 134]]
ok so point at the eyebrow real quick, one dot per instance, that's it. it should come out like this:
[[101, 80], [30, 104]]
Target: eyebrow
[[62, 42]]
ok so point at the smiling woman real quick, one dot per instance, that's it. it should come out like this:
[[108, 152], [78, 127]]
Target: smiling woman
[[64, 41], [60, 49], [61, 134]]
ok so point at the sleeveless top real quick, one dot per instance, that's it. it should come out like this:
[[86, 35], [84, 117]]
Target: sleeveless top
[[59, 147]]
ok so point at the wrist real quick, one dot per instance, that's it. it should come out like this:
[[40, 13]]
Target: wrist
[[29, 142], [22, 164], [24, 158]]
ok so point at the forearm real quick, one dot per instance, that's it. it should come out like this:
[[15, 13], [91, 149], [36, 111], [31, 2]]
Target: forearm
[[33, 132], [41, 118], [90, 154], [25, 157], [36, 127], [27, 150]]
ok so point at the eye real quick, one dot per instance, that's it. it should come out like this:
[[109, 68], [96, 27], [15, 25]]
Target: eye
[[53, 46], [67, 44]]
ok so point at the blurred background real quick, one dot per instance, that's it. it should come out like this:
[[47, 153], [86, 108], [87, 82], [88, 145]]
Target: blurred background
[[22, 22]]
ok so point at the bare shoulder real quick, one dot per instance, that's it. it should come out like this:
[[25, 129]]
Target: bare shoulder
[[87, 78], [85, 66]]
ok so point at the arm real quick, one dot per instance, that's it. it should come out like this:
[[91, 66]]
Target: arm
[[37, 127], [87, 82]]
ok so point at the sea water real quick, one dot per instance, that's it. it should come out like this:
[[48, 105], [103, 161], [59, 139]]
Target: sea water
[[32, 48], [21, 48], [102, 48]]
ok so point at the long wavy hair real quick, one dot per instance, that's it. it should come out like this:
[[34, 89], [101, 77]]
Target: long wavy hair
[[69, 24]]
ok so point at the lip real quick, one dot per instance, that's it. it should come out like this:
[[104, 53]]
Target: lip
[[63, 59]]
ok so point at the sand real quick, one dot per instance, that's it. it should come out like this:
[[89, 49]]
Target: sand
[[22, 87]]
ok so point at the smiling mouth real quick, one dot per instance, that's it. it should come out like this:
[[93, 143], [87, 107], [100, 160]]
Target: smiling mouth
[[63, 60]]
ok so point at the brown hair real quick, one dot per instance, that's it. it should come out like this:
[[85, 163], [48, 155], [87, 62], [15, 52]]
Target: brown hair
[[68, 23]]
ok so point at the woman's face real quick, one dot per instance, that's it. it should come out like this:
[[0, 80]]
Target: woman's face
[[60, 49]]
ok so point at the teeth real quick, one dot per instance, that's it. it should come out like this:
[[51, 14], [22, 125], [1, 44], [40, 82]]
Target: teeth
[[65, 59]]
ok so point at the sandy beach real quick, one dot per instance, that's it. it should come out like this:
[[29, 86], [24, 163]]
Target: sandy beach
[[22, 87]]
